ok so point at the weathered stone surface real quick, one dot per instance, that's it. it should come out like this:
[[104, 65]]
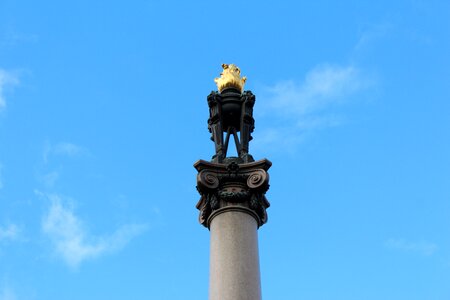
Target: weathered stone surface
[[234, 261]]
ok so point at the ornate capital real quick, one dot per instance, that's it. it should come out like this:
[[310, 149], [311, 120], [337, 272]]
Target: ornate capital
[[232, 186]]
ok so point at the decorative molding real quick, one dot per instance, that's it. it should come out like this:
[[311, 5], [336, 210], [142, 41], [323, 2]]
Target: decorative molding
[[232, 185]]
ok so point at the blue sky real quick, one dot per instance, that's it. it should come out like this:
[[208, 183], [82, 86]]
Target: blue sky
[[103, 113]]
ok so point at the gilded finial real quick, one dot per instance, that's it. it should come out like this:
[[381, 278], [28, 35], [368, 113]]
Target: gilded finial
[[230, 77]]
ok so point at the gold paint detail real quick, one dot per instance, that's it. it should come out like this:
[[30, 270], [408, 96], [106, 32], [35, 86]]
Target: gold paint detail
[[230, 77]]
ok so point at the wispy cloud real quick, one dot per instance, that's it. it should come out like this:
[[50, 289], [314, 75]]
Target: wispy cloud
[[47, 174], [63, 149], [7, 78], [12, 37], [299, 107], [6, 293], [68, 149], [323, 86], [422, 247], [71, 239], [9, 232], [371, 34], [50, 178]]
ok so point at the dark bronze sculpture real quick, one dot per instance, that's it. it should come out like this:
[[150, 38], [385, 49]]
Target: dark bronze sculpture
[[230, 112], [232, 183]]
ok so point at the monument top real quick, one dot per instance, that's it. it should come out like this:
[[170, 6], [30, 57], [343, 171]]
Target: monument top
[[230, 78]]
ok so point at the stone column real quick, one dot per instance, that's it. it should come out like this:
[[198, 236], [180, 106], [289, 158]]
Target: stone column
[[234, 263], [233, 206]]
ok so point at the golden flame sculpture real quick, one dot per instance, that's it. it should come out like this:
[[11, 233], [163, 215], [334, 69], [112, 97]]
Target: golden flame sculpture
[[230, 78]]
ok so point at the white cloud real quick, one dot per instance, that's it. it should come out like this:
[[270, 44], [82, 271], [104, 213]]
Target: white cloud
[[71, 239], [6, 293], [422, 247], [11, 38], [278, 139], [323, 86], [6, 78], [298, 108], [49, 179], [68, 149], [63, 149], [371, 34], [9, 232], [50, 152]]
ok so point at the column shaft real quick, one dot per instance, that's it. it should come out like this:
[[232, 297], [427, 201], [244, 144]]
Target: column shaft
[[234, 260]]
